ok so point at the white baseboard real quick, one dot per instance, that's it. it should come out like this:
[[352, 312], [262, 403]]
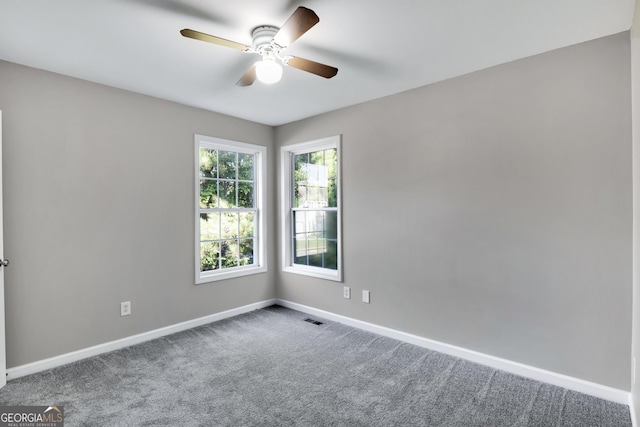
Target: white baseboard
[[632, 412], [63, 359], [593, 389], [571, 383]]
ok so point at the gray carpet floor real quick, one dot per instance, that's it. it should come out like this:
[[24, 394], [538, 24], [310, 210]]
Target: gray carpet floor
[[271, 368]]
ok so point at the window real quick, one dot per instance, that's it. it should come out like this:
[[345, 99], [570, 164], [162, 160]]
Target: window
[[230, 216], [311, 224]]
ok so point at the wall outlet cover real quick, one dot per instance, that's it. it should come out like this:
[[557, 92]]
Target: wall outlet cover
[[125, 308]]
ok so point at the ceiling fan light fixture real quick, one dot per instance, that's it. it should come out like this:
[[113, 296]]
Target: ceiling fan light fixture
[[268, 71]]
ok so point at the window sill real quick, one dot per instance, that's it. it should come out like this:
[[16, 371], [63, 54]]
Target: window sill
[[217, 276], [320, 273]]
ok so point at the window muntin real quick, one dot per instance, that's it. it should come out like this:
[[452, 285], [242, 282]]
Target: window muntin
[[230, 218], [311, 211]]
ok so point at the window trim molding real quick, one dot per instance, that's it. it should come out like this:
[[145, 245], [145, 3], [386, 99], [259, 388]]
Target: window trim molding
[[286, 204], [260, 174]]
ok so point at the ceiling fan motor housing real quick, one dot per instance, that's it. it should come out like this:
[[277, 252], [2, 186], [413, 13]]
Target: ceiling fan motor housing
[[262, 38]]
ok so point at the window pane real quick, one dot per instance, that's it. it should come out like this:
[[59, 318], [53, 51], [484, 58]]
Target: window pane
[[315, 238], [316, 158], [300, 171], [332, 194], [229, 253], [313, 201], [208, 163], [208, 194], [209, 256], [323, 197], [209, 226], [312, 244], [245, 166], [301, 195], [315, 221], [247, 224], [300, 248], [331, 255], [316, 252], [229, 225], [300, 184], [315, 179], [246, 252], [331, 161], [299, 222], [228, 194], [245, 195], [227, 164], [331, 225]]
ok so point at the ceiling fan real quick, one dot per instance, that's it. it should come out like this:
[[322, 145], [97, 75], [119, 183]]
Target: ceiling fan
[[268, 42]]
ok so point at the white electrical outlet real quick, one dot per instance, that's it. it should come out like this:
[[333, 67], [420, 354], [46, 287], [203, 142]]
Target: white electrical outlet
[[347, 292], [125, 308], [366, 297]]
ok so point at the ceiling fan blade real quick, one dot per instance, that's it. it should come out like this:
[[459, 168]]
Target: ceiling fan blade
[[313, 67], [248, 78], [298, 23], [192, 34]]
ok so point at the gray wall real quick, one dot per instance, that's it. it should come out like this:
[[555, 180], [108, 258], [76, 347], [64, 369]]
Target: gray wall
[[98, 192], [493, 211]]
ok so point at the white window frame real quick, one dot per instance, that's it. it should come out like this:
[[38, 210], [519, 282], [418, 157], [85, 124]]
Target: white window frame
[[260, 177], [286, 215]]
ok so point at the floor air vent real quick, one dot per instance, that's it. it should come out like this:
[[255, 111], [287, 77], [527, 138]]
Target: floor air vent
[[315, 322]]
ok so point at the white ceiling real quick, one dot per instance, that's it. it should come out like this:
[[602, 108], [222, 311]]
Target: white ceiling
[[380, 47]]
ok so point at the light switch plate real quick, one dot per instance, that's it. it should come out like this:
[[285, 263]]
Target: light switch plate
[[366, 297]]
